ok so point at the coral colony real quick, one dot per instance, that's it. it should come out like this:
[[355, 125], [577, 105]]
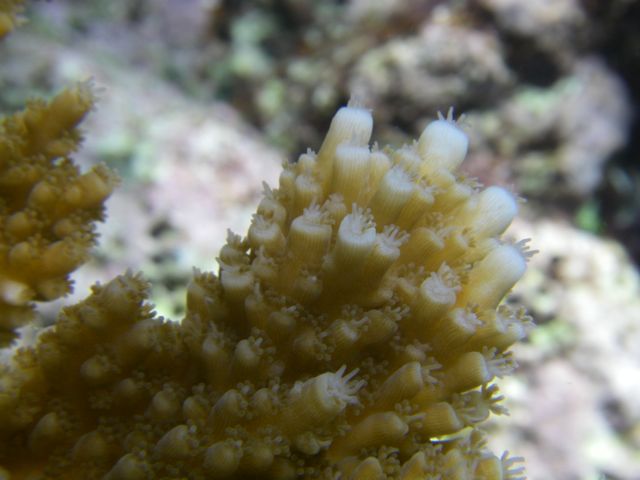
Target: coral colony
[[355, 332]]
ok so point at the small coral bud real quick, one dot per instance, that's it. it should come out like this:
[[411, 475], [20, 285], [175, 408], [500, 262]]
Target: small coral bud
[[456, 244], [386, 428], [502, 328], [504, 468], [306, 346], [415, 468], [265, 268], [52, 359], [233, 253], [307, 287], [350, 124], [65, 227], [282, 323], [309, 444], [264, 401], [135, 342], [488, 213], [419, 202], [409, 159], [53, 288], [46, 432], [436, 294], [386, 250], [307, 191], [256, 308], [71, 105], [381, 327], [272, 209], [308, 236], [203, 297], [19, 225], [350, 172], [246, 355], [195, 409], [213, 355], [320, 399], [439, 419], [491, 279], [394, 190], [62, 257], [222, 459], [92, 446], [286, 183], [175, 444], [452, 196], [123, 295], [423, 244], [355, 240], [379, 164], [22, 254], [42, 195], [229, 408], [368, 469], [344, 335], [237, 284], [128, 393], [404, 383], [15, 293], [91, 189], [257, 457], [336, 208], [454, 330], [443, 144], [454, 463], [97, 370], [164, 406], [307, 161], [469, 371], [490, 468], [128, 467], [266, 233]]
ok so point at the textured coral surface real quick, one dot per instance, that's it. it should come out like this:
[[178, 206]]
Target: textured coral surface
[[47, 208], [355, 332], [574, 410]]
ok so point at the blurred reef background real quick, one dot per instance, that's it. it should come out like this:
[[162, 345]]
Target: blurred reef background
[[201, 100]]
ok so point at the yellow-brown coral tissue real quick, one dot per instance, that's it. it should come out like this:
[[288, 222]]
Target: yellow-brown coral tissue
[[355, 333], [47, 208], [10, 11]]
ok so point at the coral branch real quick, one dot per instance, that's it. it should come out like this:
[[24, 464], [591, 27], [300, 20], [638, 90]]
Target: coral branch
[[47, 207], [354, 333]]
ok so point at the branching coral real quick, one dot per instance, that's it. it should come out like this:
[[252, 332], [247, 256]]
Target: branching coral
[[47, 208], [355, 332]]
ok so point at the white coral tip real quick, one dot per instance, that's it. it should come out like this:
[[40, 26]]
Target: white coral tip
[[443, 144]]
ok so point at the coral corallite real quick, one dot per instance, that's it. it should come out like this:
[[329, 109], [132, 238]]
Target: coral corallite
[[354, 333]]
